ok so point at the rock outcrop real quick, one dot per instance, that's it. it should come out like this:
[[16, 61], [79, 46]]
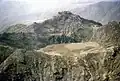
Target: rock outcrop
[[108, 35], [63, 62]]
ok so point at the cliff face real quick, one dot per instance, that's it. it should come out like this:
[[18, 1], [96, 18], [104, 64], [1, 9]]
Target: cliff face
[[64, 62]]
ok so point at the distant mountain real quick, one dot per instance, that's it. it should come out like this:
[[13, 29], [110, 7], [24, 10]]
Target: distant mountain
[[103, 12], [15, 12]]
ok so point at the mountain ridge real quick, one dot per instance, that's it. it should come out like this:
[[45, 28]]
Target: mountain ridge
[[104, 12], [25, 17]]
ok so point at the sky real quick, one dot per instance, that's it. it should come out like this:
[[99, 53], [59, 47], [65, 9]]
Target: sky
[[45, 5]]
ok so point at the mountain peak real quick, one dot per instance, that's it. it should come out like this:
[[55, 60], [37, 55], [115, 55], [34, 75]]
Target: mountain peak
[[67, 16], [65, 13]]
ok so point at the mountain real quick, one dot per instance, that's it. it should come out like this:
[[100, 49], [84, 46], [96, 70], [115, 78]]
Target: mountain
[[67, 23], [66, 47], [95, 60], [65, 27], [103, 12]]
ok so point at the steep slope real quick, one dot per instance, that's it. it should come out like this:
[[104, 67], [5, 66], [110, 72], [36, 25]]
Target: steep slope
[[108, 35], [19, 40], [19, 28], [65, 62], [5, 51], [102, 12]]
